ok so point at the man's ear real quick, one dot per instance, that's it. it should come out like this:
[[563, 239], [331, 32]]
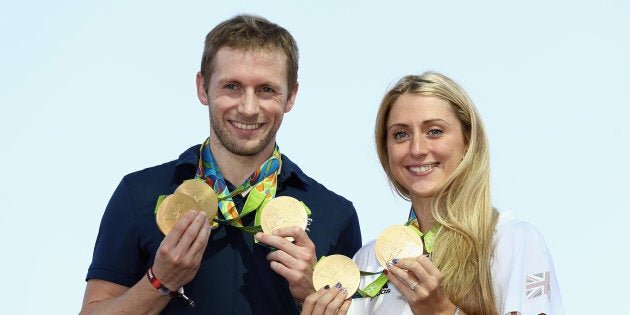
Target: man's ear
[[291, 99], [202, 93]]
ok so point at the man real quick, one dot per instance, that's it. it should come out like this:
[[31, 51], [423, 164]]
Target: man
[[248, 80]]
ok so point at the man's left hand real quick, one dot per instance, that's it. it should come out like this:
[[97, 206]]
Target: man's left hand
[[292, 260]]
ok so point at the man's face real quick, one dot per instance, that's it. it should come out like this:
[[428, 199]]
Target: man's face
[[247, 95]]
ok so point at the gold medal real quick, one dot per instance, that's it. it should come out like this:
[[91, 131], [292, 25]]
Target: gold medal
[[281, 212], [398, 241], [335, 269], [172, 208], [203, 194]]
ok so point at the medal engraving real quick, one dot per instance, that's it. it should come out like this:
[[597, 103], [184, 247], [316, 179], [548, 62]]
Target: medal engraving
[[398, 241], [281, 212], [172, 208], [337, 269], [203, 194]]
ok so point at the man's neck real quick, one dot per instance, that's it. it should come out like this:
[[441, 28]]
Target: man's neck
[[237, 168]]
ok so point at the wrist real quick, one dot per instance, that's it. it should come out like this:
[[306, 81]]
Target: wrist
[[155, 282]]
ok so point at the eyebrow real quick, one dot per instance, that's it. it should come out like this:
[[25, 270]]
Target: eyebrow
[[424, 122], [433, 120], [230, 80]]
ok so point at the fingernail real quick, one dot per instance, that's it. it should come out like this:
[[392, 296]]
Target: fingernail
[[344, 290], [395, 260], [258, 235], [385, 271], [389, 264], [338, 285], [326, 287]]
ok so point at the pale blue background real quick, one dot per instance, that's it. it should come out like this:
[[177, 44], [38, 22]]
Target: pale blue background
[[90, 91]]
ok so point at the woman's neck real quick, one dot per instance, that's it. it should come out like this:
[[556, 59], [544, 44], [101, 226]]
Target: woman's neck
[[421, 207]]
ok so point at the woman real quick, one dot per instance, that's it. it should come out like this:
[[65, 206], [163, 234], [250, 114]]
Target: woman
[[433, 147]]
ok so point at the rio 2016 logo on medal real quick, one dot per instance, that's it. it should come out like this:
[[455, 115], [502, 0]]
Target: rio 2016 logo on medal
[[190, 195]]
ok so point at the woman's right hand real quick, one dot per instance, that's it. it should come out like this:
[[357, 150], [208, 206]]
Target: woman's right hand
[[328, 300]]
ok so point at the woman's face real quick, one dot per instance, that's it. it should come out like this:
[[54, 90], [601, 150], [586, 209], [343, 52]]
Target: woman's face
[[424, 141]]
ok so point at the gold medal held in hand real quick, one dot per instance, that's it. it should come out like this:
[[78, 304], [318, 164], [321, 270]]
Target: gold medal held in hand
[[189, 195], [334, 269], [172, 208], [282, 212], [398, 241], [203, 194]]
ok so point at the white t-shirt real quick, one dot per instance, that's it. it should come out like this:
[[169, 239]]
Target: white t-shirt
[[522, 269]]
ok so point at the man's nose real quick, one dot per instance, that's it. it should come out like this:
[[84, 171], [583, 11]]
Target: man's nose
[[249, 103]]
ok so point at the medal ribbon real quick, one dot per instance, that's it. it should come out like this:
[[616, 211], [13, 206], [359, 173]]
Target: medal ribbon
[[263, 183], [427, 239], [372, 289]]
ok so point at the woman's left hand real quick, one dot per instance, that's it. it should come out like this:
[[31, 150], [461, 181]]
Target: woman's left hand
[[327, 301], [421, 284]]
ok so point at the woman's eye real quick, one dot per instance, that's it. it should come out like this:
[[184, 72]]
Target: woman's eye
[[435, 132], [400, 135]]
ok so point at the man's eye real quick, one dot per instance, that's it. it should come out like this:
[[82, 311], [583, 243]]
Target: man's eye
[[267, 89], [230, 86]]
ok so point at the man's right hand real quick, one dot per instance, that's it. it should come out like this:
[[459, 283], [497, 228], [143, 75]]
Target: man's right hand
[[176, 263], [179, 256]]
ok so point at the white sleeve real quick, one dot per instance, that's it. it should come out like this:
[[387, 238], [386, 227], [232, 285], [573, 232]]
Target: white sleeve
[[523, 273], [362, 258]]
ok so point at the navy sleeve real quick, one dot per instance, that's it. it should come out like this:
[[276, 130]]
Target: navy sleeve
[[349, 240], [116, 256]]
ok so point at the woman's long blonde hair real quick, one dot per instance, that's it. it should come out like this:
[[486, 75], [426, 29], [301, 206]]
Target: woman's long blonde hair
[[464, 246]]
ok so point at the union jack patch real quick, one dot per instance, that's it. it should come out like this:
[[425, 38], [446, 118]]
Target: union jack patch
[[537, 284]]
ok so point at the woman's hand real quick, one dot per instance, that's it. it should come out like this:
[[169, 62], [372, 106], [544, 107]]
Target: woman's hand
[[421, 284], [328, 300]]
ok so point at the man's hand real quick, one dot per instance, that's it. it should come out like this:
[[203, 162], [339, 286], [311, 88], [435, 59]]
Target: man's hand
[[176, 263], [292, 260], [179, 256]]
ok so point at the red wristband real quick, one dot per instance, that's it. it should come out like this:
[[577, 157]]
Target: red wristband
[[155, 282]]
